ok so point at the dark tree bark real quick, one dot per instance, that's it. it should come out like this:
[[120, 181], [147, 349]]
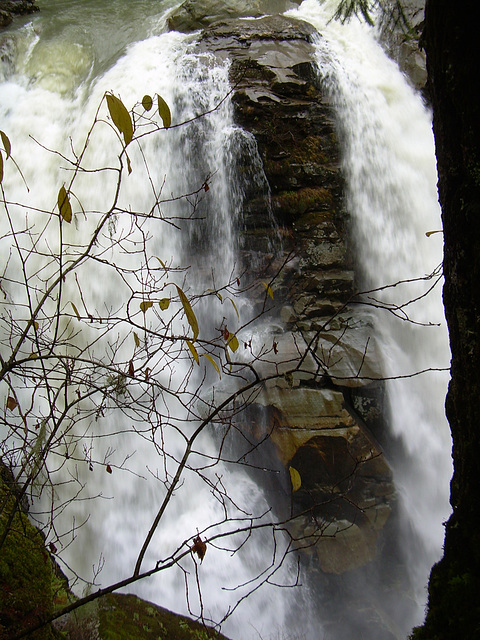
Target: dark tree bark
[[452, 45]]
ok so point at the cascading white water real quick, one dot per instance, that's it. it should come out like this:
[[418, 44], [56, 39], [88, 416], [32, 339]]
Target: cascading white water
[[388, 161], [109, 530], [53, 92]]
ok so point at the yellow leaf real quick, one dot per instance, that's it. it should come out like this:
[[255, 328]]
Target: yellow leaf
[[161, 262], [64, 206], [6, 144], [137, 339], [216, 293], [164, 303], [193, 351], [269, 289], [129, 165], [76, 310], [147, 102], [233, 342], [164, 111], [187, 307], [430, 233], [235, 307], [120, 116], [215, 365], [295, 478], [146, 304]]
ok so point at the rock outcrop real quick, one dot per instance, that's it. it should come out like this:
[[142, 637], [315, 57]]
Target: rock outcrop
[[198, 14], [11, 8], [295, 234]]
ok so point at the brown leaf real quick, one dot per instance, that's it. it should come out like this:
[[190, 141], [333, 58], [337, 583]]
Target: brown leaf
[[131, 369], [52, 547], [108, 469], [11, 403], [199, 547]]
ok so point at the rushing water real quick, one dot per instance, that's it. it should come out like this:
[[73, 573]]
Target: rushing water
[[388, 160], [54, 78]]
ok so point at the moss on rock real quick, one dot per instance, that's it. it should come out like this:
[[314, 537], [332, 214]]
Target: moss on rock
[[27, 576], [119, 616]]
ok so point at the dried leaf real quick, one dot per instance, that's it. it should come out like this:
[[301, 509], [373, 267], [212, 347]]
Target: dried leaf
[[108, 469], [193, 351], [146, 304], [11, 403], [235, 307], [131, 369], [215, 365], [295, 478], [164, 303], [233, 342], [187, 307], [6, 143], [52, 547], [1, 167], [164, 111], [76, 310], [199, 547], [120, 116], [137, 339], [269, 289], [64, 206], [147, 102]]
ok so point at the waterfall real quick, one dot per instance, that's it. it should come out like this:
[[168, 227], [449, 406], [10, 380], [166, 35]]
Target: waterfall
[[106, 531], [53, 83], [388, 161]]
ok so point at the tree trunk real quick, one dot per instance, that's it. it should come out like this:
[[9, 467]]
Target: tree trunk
[[451, 43]]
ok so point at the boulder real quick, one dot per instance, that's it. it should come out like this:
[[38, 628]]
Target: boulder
[[198, 14], [11, 8]]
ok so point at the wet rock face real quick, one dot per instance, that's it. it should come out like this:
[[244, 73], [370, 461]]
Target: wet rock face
[[11, 8], [198, 14], [297, 219]]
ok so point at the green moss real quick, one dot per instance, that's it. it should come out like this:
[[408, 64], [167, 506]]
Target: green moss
[[292, 204], [312, 150], [454, 609], [26, 574], [126, 616]]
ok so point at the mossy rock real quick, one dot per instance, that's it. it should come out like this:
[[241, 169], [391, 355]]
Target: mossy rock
[[124, 617], [28, 581], [290, 205]]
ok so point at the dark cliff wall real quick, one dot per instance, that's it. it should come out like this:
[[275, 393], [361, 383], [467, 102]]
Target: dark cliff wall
[[452, 47]]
